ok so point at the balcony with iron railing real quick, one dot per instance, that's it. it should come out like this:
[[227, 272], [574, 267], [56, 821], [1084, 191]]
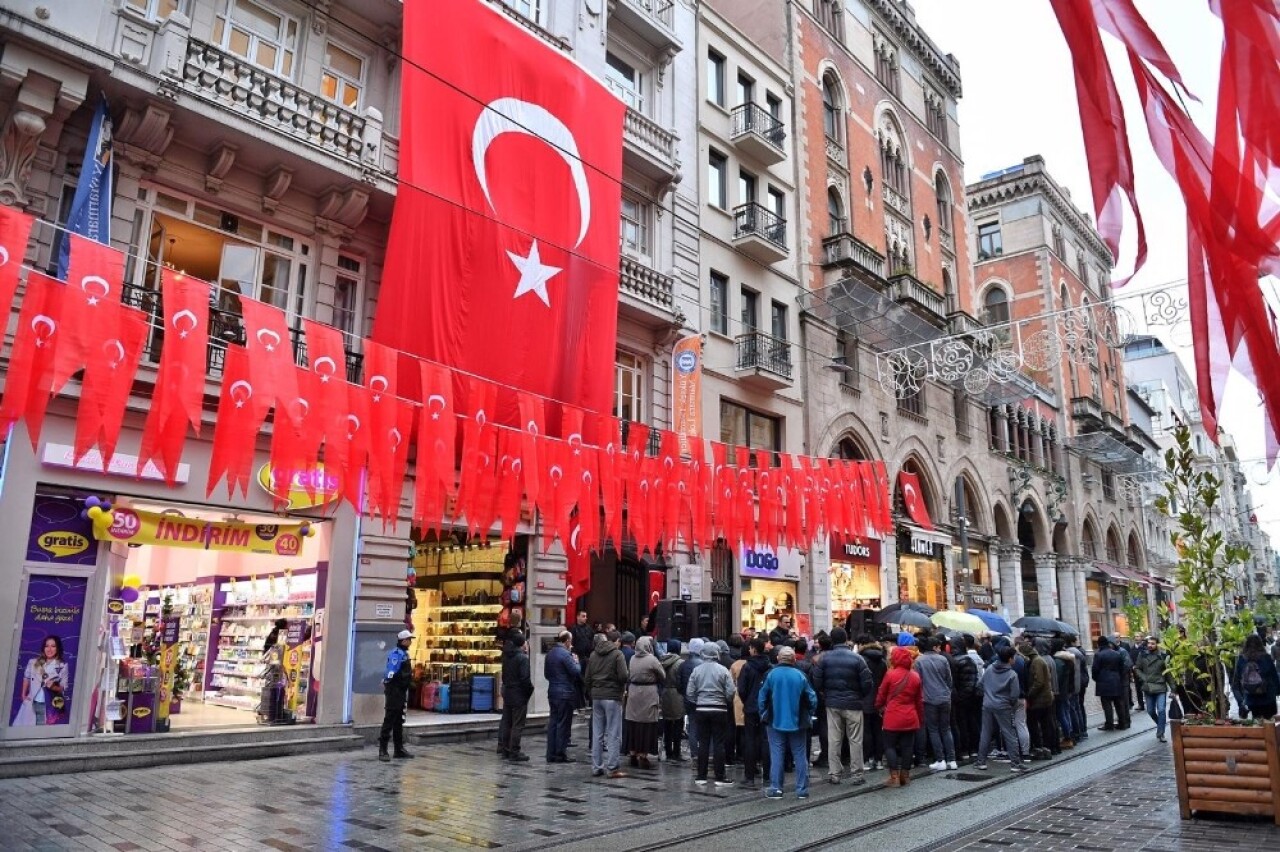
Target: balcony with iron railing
[[928, 302], [241, 87], [647, 289], [842, 249], [763, 360], [654, 21], [760, 233], [648, 147], [759, 134], [225, 327]]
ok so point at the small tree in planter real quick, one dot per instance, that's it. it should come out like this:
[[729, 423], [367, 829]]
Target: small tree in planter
[[1220, 766], [1209, 638], [1135, 609]]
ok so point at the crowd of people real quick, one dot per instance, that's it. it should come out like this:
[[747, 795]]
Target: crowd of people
[[759, 701]]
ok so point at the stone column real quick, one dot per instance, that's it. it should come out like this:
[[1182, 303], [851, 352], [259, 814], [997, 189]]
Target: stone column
[[950, 570], [816, 581], [1066, 601], [1011, 580], [889, 574], [379, 614], [1047, 583]]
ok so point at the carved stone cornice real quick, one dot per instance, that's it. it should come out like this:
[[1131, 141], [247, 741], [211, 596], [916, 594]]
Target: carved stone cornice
[[1002, 191], [940, 66], [221, 158]]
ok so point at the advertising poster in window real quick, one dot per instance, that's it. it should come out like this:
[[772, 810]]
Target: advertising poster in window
[[48, 640], [686, 391]]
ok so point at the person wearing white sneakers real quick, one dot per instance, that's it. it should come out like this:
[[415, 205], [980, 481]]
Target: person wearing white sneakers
[[935, 672]]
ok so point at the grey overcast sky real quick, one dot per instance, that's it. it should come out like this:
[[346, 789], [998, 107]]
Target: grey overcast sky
[[1019, 99]]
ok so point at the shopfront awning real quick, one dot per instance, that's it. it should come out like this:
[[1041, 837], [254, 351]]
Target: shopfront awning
[[1109, 571]]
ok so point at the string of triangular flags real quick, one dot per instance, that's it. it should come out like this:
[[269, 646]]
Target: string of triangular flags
[[586, 473]]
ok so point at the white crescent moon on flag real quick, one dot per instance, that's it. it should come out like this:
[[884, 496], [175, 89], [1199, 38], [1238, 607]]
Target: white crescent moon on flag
[[325, 359], [435, 396], [4, 255], [42, 320], [269, 333], [117, 347], [248, 388], [184, 313], [98, 280], [511, 115]]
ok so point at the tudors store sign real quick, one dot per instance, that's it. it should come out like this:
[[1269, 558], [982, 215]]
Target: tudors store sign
[[858, 551]]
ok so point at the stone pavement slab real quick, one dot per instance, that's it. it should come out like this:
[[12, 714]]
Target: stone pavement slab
[[461, 796], [1133, 808]]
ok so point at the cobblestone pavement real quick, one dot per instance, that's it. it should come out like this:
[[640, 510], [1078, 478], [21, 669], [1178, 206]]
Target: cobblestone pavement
[[462, 797], [1134, 808]]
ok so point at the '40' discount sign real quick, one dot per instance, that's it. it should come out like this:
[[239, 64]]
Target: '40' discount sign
[[135, 526]]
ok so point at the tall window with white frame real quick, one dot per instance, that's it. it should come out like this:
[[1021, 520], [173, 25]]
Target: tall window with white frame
[[531, 9], [715, 78], [258, 34], [635, 225], [156, 10], [742, 427], [347, 288], [717, 175], [942, 191], [342, 78], [629, 390], [995, 306], [835, 212], [719, 303], [624, 80]]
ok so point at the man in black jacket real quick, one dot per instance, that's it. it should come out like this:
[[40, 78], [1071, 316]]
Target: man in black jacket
[[842, 678], [582, 636], [755, 746], [966, 700], [517, 689]]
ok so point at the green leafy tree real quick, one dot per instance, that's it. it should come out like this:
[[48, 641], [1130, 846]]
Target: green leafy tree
[[1135, 609], [1205, 645]]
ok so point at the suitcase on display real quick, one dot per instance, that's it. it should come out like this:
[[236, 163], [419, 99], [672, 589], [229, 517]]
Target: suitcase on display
[[459, 697], [427, 695], [441, 704], [482, 691]]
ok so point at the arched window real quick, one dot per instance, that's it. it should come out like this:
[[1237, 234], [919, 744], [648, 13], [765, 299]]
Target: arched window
[[851, 450], [1113, 546], [995, 306], [949, 290], [835, 212], [831, 108], [828, 15], [943, 191], [893, 161], [1089, 541], [1064, 296]]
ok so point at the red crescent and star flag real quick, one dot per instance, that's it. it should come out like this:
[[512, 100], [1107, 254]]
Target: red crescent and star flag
[[502, 259]]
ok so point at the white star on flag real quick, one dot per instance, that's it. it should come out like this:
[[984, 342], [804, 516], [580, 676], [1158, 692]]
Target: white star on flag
[[533, 274]]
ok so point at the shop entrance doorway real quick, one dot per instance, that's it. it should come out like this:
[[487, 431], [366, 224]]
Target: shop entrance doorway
[[213, 618]]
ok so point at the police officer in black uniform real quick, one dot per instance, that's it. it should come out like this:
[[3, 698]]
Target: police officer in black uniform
[[395, 686]]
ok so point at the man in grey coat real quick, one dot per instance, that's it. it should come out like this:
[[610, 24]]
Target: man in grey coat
[[844, 683], [1001, 694], [935, 672]]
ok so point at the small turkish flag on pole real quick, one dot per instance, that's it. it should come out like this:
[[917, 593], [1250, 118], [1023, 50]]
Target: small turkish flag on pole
[[913, 500], [503, 254]]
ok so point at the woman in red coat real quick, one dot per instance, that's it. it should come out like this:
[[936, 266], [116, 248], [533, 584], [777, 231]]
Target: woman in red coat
[[901, 704]]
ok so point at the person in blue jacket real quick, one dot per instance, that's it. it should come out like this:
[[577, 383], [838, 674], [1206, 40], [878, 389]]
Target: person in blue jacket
[[396, 680], [784, 709]]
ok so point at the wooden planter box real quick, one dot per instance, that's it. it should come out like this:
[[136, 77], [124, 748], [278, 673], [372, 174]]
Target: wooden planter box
[[1227, 769]]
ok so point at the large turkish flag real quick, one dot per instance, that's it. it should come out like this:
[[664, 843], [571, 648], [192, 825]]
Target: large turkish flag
[[503, 254]]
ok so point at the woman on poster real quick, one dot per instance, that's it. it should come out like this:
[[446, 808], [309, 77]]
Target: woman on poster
[[46, 687]]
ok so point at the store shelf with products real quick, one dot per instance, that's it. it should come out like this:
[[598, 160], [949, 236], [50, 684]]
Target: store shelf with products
[[460, 607], [245, 613]]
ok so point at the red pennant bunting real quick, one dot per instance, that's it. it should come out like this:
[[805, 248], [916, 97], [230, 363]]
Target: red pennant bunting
[[270, 351], [95, 278], [478, 447], [348, 453], [578, 573], [611, 461], [703, 495], [532, 429], [510, 478], [15, 233], [766, 499], [241, 412], [327, 361], [792, 482], [588, 515], [295, 439], [178, 397], [29, 382], [108, 379], [380, 383], [880, 478], [437, 446], [393, 445], [670, 472]]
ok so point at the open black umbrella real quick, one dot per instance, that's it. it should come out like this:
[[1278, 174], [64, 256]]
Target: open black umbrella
[[904, 617], [1040, 624], [915, 606]]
